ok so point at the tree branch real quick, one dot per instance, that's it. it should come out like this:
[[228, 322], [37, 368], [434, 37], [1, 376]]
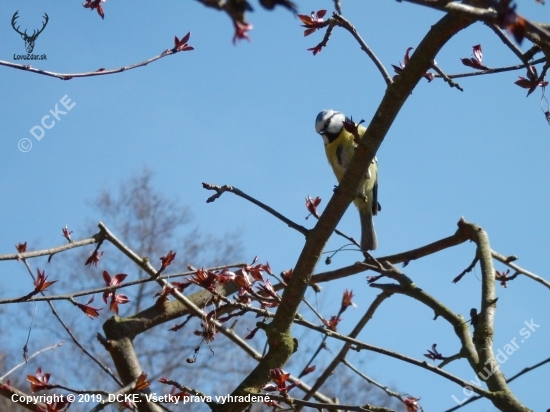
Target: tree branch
[[226, 188], [100, 72]]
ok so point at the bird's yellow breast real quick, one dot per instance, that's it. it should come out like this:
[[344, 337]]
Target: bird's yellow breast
[[339, 152]]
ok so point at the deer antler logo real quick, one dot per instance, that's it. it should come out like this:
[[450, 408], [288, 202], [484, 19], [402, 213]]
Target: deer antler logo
[[29, 40]]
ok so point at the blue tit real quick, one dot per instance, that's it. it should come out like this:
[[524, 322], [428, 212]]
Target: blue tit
[[340, 147]]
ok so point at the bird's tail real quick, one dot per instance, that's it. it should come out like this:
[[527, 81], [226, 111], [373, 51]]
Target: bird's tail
[[368, 234]]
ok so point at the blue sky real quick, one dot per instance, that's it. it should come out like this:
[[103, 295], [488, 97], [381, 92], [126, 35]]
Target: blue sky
[[244, 115]]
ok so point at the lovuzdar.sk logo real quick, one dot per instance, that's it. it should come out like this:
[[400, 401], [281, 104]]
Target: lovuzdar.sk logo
[[29, 39]]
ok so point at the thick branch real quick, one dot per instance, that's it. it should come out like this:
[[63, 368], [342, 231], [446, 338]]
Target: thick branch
[[281, 343]]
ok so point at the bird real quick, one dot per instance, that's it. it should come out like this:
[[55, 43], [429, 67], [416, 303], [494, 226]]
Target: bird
[[340, 147]]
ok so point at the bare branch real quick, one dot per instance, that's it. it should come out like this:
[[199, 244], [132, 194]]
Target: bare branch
[[100, 72], [372, 381], [509, 43], [358, 345], [447, 79], [342, 22], [338, 6], [321, 406], [27, 255], [226, 188], [73, 336], [508, 262], [517, 375], [329, 370], [57, 345]]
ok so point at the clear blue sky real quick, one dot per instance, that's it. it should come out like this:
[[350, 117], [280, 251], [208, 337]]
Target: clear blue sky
[[244, 115]]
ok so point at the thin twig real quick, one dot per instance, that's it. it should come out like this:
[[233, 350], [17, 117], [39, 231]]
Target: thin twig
[[358, 345], [449, 359], [405, 257], [338, 6], [100, 72], [508, 262], [388, 391], [509, 43], [329, 370], [29, 358], [497, 70], [78, 243], [447, 79], [342, 22], [144, 264], [73, 337], [470, 267], [69, 296], [329, 406], [517, 375], [226, 188]]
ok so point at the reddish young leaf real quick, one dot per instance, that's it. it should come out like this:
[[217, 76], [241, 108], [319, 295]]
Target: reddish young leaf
[[316, 49], [473, 63], [41, 283], [476, 61], [118, 300], [266, 291], [67, 234], [311, 205], [95, 4], [177, 327], [90, 311], [178, 396], [252, 334], [113, 281], [242, 280], [167, 260], [434, 354], [39, 381], [243, 296], [286, 274], [308, 370], [407, 58], [209, 331], [332, 323], [21, 247], [279, 378], [181, 45], [428, 76], [94, 258], [266, 268], [503, 277], [412, 404], [205, 279], [142, 382], [115, 299], [313, 22], [241, 31], [532, 81], [346, 301]]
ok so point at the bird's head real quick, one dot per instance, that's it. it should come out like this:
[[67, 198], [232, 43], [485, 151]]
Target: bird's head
[[329, 124]]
